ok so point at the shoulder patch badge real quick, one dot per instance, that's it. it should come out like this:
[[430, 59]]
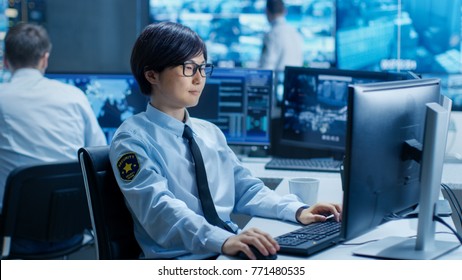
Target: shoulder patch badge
[[128, 166]]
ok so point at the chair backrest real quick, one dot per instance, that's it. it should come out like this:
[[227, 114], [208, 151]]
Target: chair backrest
[[111, 220], [44, 203]]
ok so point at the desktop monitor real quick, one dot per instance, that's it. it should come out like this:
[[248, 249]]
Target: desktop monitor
[[233, 30], [113, 97], [238, 101], [314, 107], [394, 157]]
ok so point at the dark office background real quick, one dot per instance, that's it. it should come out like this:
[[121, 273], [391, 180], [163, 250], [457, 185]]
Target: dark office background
[[93, 36], [87, 35]]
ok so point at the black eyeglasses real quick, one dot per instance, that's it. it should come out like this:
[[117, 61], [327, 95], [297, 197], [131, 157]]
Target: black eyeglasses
[[190, 69]]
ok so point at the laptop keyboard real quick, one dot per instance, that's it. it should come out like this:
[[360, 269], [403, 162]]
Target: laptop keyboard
[[301, 240], [312, 164]]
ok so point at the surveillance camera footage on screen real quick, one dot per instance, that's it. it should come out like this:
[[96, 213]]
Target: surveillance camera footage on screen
[[400, 35], [233, 29]]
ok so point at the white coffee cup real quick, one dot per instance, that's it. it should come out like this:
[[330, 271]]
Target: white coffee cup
[[305, 188]]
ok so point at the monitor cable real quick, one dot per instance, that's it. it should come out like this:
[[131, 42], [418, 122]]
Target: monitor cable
[[454, 201], [439, 219]]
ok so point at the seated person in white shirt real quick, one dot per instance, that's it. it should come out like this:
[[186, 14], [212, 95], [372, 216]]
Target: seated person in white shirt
[[155, 170], [41, 120]]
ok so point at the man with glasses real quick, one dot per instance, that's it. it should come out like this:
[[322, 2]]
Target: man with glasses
[[179, 178]]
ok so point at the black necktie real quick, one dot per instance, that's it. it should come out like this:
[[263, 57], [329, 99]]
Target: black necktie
[[210, 213]]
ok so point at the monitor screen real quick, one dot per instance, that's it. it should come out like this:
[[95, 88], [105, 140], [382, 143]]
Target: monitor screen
[[238, 101], [314, 107], [418, 35], [233, 29], [113, 97], [394, 155]]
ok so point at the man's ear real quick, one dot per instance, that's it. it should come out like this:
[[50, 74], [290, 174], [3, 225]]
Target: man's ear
[[152, 77], [44, 62]]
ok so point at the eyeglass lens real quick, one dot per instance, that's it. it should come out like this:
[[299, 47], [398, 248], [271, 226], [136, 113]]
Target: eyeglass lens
[[190, 69]]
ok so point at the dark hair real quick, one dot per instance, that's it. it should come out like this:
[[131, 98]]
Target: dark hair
[[25, 44], [163, 45], [275, 6]]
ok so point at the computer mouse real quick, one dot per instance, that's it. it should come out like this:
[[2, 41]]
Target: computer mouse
[[241, 255]]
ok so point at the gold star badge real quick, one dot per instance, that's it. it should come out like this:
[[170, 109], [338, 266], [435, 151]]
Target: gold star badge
[[128, 167]]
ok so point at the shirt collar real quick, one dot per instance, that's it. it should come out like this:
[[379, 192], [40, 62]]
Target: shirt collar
[[26, 72], [278, 21], [168, 122]]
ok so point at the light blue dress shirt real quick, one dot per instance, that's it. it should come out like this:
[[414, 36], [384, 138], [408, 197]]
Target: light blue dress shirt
[[42, 120], [160, 187]]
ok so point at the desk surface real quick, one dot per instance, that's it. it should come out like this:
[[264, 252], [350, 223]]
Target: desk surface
[[330, 190]]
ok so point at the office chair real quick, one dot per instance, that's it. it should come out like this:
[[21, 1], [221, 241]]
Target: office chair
[[111, 220], [45, 203]]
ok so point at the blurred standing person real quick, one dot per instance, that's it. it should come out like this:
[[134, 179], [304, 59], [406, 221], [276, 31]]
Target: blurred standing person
[[282, 45]]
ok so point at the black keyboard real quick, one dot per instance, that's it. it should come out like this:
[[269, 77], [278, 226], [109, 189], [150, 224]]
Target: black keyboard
[[310, 239], [312, 164]]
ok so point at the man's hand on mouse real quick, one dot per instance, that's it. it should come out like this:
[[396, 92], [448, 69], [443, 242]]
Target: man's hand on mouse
[[259, 239], [319, 213]]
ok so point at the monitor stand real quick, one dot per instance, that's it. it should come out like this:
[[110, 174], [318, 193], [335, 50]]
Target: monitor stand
[[404, 248], [424, 246]]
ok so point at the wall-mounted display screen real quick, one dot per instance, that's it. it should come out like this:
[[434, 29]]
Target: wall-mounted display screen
[[399, 35], [233, 29]]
